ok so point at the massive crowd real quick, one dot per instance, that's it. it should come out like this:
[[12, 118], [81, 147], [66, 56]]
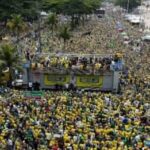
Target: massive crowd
[[75, 120], [84, 120]]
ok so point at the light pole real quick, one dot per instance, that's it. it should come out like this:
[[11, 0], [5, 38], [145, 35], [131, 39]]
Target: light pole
[[128, 3], [39, 34], [141, 13], [39, 27]]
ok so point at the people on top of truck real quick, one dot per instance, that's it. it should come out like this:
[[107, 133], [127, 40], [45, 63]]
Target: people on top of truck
[[83, 62]]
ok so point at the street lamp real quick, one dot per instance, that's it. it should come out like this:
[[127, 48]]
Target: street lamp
[[128, 6], [39, 27]]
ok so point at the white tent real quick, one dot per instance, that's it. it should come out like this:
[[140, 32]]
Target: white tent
[[146, 37], [136, 19]]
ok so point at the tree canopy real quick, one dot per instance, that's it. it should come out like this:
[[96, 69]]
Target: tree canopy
[[9, 58], [16, 24], [71, 6], [30, 9], [8, 54], [26, 8], [64, 34]]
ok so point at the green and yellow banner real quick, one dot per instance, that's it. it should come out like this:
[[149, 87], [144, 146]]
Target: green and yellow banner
[[89, 81], [53, 79]]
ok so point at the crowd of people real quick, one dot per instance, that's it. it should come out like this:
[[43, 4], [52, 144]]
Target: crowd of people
[[84, 120], [75, 120], [80, 62]]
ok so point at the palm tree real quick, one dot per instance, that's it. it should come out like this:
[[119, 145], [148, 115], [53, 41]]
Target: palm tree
[[52, 21], [16, 25], [1, 68], [65, 34], [9, 58]]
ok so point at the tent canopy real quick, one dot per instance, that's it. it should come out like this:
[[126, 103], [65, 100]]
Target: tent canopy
[[146, 37]]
